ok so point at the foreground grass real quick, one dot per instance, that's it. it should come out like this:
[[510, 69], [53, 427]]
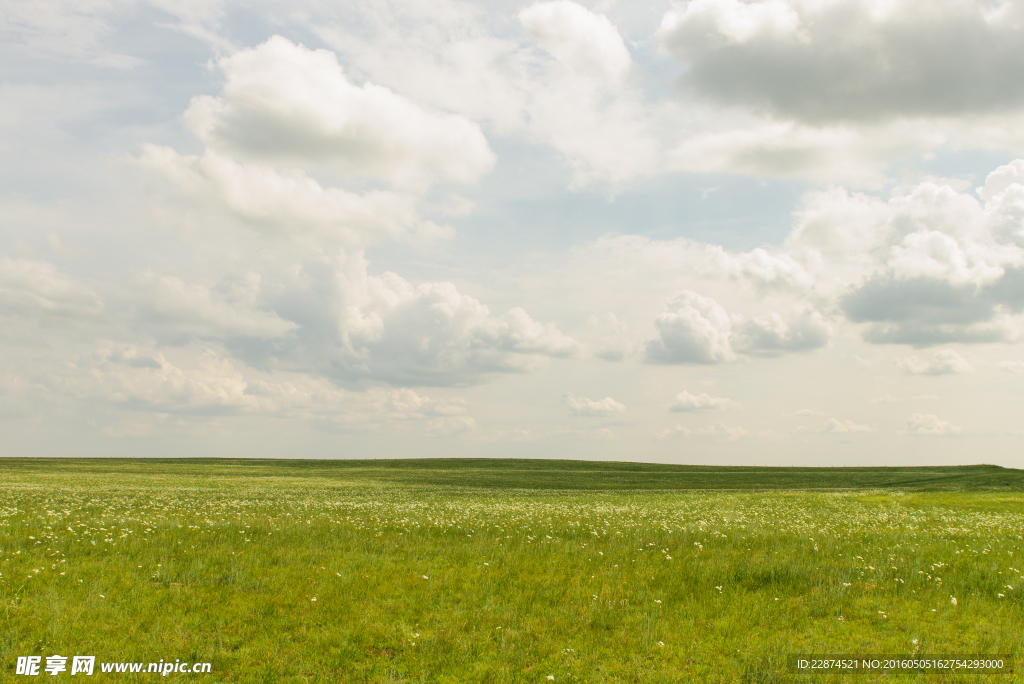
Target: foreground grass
[[475, 571]]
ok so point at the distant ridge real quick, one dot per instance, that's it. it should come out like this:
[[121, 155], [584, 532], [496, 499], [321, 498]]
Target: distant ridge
[[546, 474]]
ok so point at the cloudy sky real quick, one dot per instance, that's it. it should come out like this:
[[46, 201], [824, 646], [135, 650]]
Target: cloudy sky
[[715, 231]]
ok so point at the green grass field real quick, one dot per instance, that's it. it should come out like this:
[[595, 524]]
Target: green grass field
[[504, 571]]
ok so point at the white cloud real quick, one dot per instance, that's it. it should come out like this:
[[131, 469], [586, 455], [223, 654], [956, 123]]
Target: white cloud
[[772, 335], [939, 256], [586, 42], [841, 154], [929, 266], [287, 104], [842, 426], [822, 154], [151, 383], [445, 53], [405, 404], [432, 333], [122, 377], [807, 89], [563, 83], [146, 304], [763, 270], [692, 329], [924, 313], [1002, 179], [714, 431], [848, 229], [808, 412], [833, 61], [171, 309], [36, 290], [327, 317], [1011, 366], [353, 326], [582, 406], [696, 329], [942, 362], [685, 401], [567, 82], [451, 426], [289, 202], [928, 424], [734, 22]]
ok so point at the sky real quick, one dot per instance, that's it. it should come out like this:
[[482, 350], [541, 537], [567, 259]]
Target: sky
[[776, 232]]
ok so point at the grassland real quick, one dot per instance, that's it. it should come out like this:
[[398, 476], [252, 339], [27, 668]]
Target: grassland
[[503, 571]]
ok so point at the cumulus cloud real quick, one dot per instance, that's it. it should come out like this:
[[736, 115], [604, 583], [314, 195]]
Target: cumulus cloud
[[587, 42], [37, 290], [173, 310], [145, 303], [696, 329], [773, 149], [149, 305], [763, 270], [943, 362], [928, 424], [1011, 366], [842, 227], [715, 431], [151, 383], [353, 326], [209, 385], [851, 60], [692, 329], [947, 280], [685, 401], [922, 312], [563, 83], [289, 202], [1002, 179], [721, 431], [734, 21], [582, 406], [778, 95], [842, 426], [929, 266], [326, 316], [772, 335], [284, 103], [580, 104], [451, 426], [431, 333], [808, 412]]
